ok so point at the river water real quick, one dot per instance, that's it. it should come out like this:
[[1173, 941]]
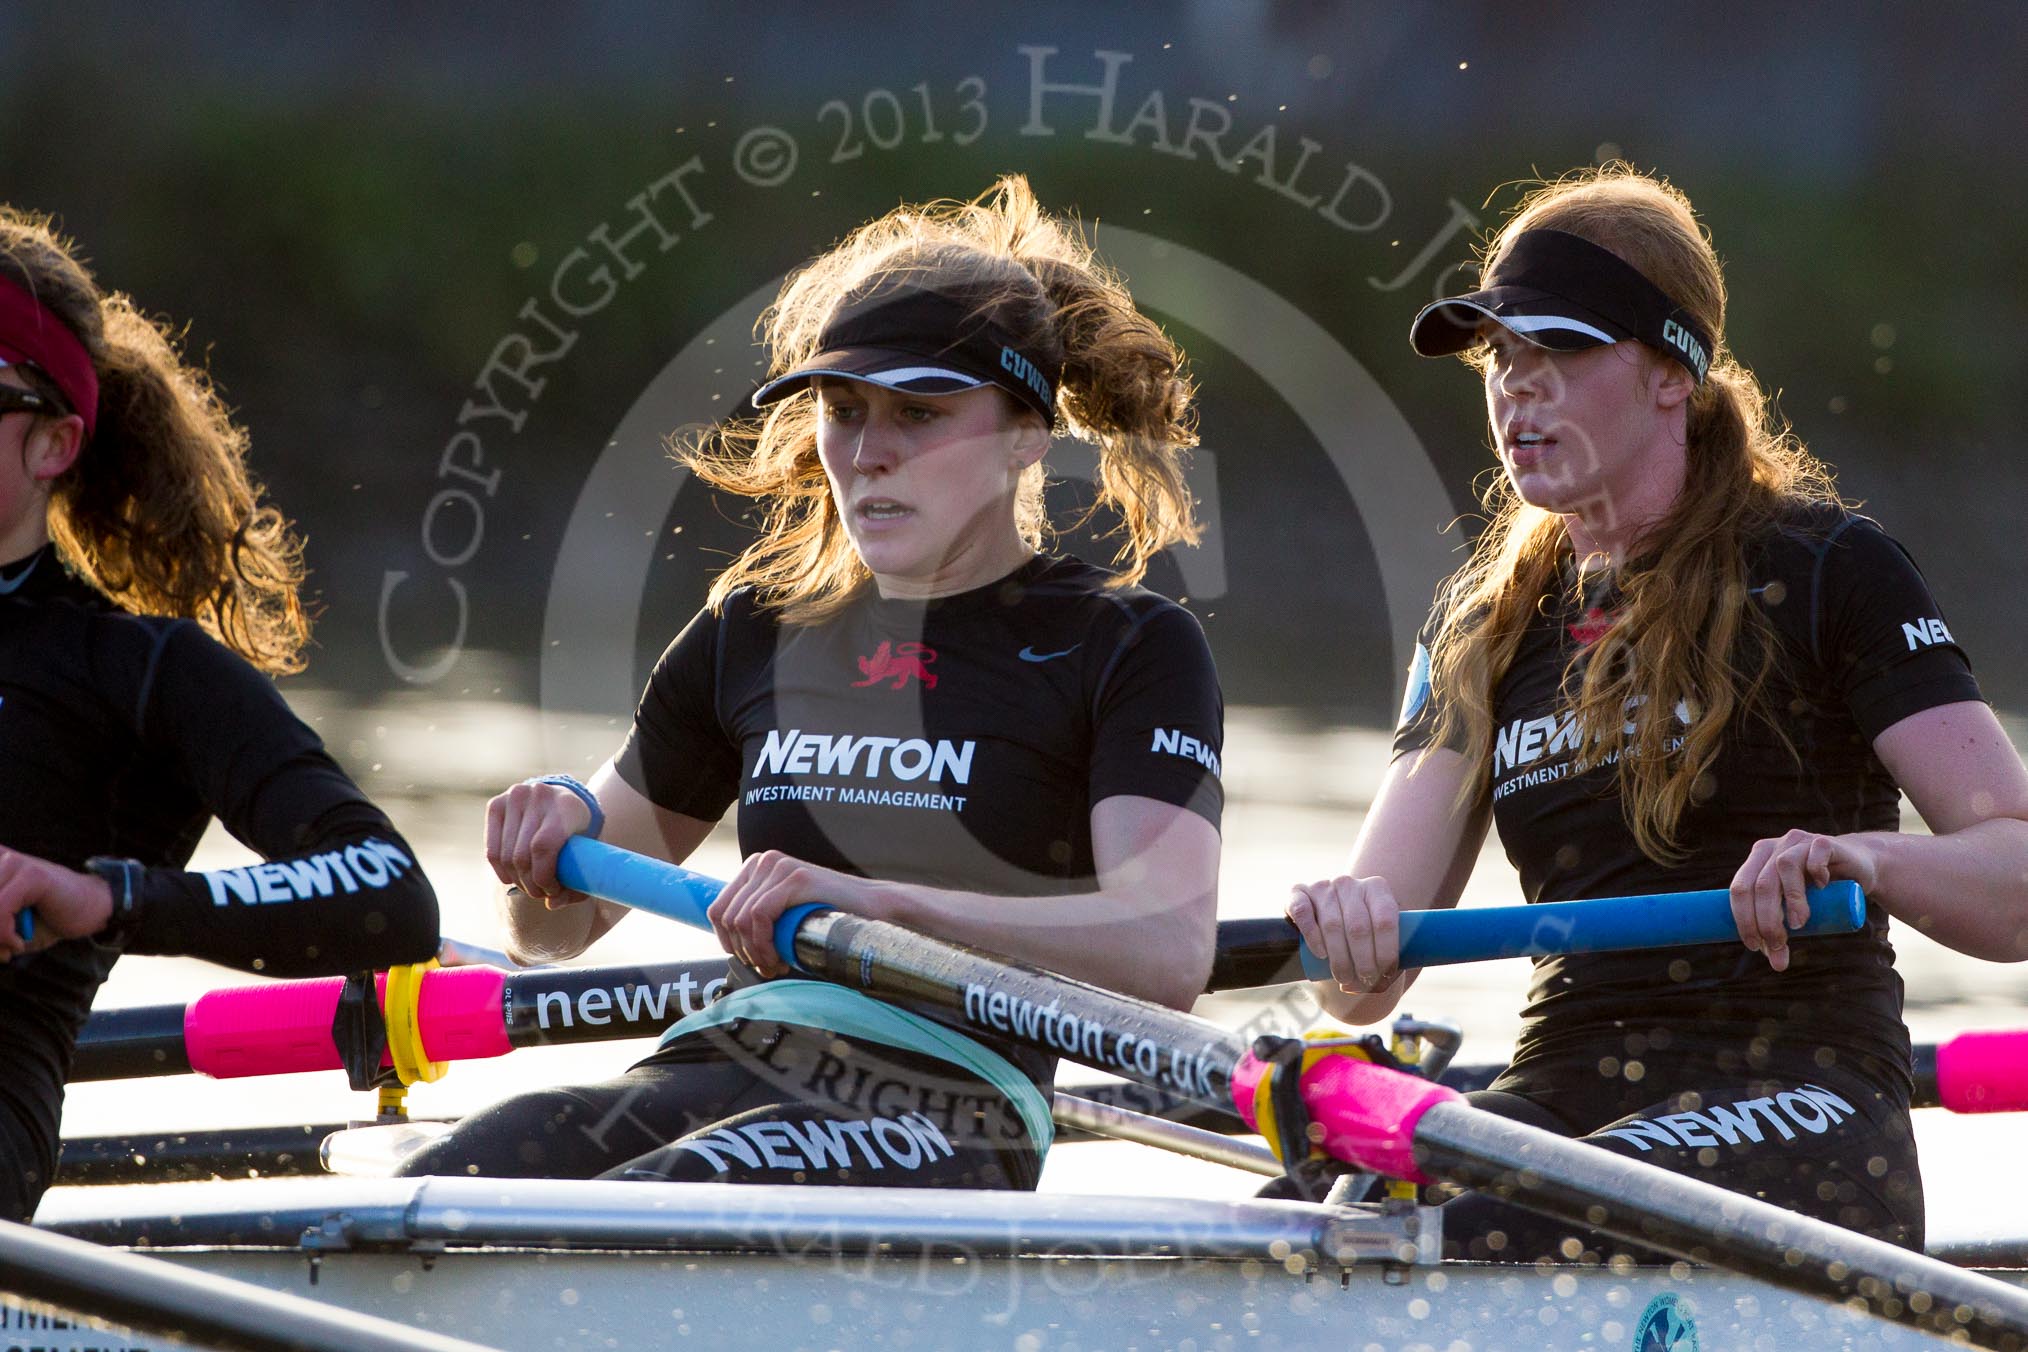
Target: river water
[[1296, 794]]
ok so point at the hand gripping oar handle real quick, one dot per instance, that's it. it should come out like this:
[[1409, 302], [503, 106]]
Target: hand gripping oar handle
[[1258, 952]]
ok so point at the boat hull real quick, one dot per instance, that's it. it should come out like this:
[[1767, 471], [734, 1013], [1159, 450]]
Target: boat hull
[[557, 1266]]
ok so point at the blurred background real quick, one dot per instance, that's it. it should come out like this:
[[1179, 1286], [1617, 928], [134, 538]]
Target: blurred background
[[463, 268], [350, 207]]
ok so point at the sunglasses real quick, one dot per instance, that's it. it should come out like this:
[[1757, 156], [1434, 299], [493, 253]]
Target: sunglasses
[[14, 399]]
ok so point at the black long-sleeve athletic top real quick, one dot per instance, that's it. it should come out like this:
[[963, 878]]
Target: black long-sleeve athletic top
[[121, 737]]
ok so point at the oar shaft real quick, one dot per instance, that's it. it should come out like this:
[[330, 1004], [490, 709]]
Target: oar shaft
[[600, 1004], [193, 1156], [1594, 1190], [1177, 1052], [1463, 1078], [135, 1043], [1105, 1119], [463, 1013]]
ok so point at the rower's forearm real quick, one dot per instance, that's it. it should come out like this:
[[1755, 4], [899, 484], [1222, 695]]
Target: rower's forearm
[[1130, 944], [1968, 889], [357, 899]]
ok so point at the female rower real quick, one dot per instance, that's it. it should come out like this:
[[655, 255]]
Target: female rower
[[1677, 660], [144, 589], [923, 718]]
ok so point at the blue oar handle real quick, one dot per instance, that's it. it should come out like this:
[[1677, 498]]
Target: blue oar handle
[[24, 924], [658, 887], [1601, 925], [653, 885], [1428, 938]]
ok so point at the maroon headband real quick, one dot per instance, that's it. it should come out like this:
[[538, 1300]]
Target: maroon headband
[[30, 333]]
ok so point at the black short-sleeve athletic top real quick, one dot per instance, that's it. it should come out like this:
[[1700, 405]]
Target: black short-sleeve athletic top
[[956, 743], [122, 736], [1861, 644]]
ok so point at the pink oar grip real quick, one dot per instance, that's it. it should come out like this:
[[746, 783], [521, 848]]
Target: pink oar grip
[[1983, 1072], [1368, 1112], [463, 1013], [286, 1027]]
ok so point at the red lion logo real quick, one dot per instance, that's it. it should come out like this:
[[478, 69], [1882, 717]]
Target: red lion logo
[[910, 659], [1593, 626]]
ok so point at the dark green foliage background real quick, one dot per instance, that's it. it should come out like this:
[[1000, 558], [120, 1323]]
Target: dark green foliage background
[[348, 206]]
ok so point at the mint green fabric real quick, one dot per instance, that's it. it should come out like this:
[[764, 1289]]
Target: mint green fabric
[[819, 1004]]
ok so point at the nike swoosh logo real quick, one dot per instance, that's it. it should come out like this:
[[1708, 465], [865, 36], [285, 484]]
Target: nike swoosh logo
[[1030, 655]]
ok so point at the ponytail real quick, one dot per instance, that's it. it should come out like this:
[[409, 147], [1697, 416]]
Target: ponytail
[[1125, 391]]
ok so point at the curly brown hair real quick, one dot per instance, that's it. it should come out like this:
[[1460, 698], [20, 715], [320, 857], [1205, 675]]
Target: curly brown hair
[[1685, 629], [1124, 388], [159, 512]]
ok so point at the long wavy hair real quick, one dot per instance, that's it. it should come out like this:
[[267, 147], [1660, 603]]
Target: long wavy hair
[[1124, 389], [1685, 629], [159, 512]]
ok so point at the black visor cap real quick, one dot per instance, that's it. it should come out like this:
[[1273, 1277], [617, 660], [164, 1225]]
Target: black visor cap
[[921, 342], [1562, 292]]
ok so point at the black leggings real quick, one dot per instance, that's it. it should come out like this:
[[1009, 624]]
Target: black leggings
[[755, 1102], [27, 1158], [31, 1101], [1841, 1156]]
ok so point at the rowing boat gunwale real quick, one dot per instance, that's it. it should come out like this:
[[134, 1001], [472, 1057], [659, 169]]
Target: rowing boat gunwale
[[324, 1214]]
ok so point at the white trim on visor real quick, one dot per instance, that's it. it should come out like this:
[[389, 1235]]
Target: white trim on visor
[[1530, 324], [902, 375], [1526, 324], [894, 379]]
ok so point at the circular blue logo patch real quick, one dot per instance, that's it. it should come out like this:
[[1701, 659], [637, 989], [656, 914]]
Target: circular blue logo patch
[[1417, 693], [1665, 1326]]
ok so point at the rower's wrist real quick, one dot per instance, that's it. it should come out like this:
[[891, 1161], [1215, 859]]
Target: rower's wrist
[[111, 896], [1890, 851], [595, 815]]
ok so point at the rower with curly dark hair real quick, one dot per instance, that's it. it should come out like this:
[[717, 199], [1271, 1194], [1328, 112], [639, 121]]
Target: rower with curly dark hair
[[147, 591]]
